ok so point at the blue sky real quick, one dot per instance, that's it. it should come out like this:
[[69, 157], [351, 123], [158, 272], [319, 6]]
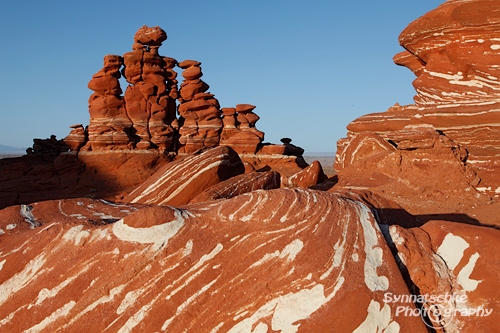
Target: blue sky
[[309, 67]]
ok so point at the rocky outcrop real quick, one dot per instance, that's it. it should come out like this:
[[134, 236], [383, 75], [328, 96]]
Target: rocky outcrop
[[108, 175], [50, 146], [458, 263], [234, 186], [147, 99], [310, 176], [110, 124], [251, 263], [77, 138], [200, 115], [180, 181], [453, 51], [239, 130], [449, 139], [291, 149], [145, 117]]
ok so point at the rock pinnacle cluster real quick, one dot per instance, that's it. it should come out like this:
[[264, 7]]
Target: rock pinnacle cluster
[[156, 112]]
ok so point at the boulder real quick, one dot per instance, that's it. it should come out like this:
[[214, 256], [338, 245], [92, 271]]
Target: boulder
[[180, 181], [310, 176], [240, 184]]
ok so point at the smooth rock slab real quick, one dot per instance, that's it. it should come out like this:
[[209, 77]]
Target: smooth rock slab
[[279, 260]]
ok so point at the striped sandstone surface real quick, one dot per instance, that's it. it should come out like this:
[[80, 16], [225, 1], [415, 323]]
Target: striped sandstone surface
[[253, 263], [158, 223], [454, 51]]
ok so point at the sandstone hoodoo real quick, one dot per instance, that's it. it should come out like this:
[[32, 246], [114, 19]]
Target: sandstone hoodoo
[[136, 130], [200, 115], [169, 213], [155, 112], [240, 132]]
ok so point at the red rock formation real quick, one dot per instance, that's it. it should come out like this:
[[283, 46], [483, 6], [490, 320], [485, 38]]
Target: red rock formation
[[76, 138], [448, 140], [291, 149], [109, 122], [105, 174], [426, 172], [239, 130], [145, 117], [231, 258], [310, 176], [453, 51], [200, 115], [251, 263], [147, 99], [439, 159], [240, 184], [50, 146], [456, 261], [180, 181]]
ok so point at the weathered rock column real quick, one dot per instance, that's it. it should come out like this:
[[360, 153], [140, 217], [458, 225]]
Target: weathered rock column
[[200, 113], [147, 97], [239, 130], [109, 123]]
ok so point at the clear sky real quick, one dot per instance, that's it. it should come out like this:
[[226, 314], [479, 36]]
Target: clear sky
[[309, 67]]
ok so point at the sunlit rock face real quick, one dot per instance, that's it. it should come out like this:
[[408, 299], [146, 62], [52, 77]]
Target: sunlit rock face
[[454, 51], [240, 184], [180, 181], [155, 112], [208, 242], [457, 262], [254, 263]]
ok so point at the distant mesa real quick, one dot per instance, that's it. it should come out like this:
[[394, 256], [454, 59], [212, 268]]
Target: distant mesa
[[5, 150]]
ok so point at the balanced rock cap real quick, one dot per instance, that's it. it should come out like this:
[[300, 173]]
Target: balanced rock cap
[[170, 62], [188, 63], [192, 73], [153, 36], [244, 108]]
